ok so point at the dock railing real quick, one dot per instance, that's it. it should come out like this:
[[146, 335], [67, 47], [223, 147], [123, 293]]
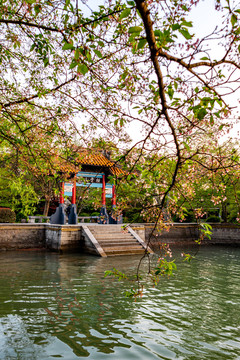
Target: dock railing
[[38, 219], [81, 219]]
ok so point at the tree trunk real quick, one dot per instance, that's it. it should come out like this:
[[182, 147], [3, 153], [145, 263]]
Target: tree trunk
[[224, 212], [46, 206]]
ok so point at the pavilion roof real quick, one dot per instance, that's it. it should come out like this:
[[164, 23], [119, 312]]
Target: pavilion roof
[[100, 160]]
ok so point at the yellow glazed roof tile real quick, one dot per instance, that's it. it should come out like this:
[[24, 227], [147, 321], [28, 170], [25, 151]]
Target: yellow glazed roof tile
[[98, 159]]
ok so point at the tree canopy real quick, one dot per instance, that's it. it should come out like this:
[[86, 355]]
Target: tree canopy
[[71, 73]]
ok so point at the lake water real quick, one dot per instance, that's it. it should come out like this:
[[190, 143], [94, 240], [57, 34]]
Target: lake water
[[61, 306]]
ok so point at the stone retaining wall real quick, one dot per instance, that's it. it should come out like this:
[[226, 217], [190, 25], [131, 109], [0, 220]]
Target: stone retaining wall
[[225, 234], [63, 237], [185, 234], [69, 237], [22, 236], [176, 234]]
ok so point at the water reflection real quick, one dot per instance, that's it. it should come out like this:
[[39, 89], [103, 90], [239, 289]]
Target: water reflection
[[60, 306]]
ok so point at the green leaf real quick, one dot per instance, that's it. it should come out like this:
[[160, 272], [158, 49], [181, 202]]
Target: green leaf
[[37, 9], [141, 43], [170, 91], [186, 23], [185, 33], [67, 3], [237, 11], [233, 19], [186, 146], [158, 33], [204, 58], [82, 68], [98, 53], [46, 61], [176, 27], [184, 8], [32, 47], [76, 54], [201, 113], [125, 13], [88, 56], [68, 46], [239, 48], [134, 29], [188, 257], [73, 64]]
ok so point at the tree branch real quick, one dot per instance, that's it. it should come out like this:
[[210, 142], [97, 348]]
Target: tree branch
[[148, 25]]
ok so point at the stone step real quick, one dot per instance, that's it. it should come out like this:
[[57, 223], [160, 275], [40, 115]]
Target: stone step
[[125, 248], [120, 243], [107, 231], [117, 239], [105, 228], [114, 241], [113, 236], [105, 244], [123, 252]]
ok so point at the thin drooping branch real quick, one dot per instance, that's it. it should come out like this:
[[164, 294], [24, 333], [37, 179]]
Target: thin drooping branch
[[198, 64], [29, 24], [27, 99], [74, 27]]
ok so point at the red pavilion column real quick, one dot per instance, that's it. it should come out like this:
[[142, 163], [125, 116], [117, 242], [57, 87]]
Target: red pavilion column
[[115, 217], [114, 196], [103, 212], [73, 217], [74, 192]]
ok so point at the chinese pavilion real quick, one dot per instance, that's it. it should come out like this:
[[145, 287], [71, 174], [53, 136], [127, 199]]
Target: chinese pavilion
[[96, 168]]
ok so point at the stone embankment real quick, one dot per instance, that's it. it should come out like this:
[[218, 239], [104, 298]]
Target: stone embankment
[[183, 234], [77, 238]]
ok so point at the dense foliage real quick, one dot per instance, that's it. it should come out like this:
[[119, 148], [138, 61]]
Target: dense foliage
[[7, 215], [70, 73]]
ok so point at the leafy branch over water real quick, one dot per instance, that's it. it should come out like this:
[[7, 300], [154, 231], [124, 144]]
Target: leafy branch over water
[[204, 231], [163, 267]]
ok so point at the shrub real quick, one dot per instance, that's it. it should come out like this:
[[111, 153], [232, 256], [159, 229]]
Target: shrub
[[7, 215], [189, 217], [213, 219], [95, 213], [133, 215]]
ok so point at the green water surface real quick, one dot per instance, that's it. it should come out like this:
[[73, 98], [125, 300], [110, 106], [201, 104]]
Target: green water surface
[[61, 307]]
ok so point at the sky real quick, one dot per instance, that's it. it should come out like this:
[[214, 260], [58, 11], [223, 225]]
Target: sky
[[205, 19]]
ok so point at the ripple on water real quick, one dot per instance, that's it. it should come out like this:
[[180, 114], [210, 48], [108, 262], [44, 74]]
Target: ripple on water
[[62, 307]]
